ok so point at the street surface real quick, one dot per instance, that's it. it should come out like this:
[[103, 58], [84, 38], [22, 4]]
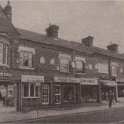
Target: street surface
[[112, 116]]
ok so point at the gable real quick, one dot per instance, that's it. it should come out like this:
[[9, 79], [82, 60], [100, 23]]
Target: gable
[[5, 25]]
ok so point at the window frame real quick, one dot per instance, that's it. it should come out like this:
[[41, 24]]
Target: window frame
[[77, 70], [29, 90], [22, 57]]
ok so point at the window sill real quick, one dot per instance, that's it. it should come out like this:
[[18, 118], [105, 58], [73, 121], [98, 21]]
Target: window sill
[[5, 65], [23, 67]]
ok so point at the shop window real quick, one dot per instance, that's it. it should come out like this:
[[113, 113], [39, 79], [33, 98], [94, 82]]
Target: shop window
[[45, 94], [31, 90], [57, 94]]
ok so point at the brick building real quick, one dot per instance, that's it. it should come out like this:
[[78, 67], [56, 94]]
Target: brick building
[[43, 70]]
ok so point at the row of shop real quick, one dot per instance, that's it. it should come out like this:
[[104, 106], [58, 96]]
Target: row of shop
[[35, 91]]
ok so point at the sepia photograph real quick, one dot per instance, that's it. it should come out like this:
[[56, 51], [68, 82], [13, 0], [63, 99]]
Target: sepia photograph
[[61, 61]]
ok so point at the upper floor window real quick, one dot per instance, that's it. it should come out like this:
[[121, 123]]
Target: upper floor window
[[64, 62], [114, 69], [42, 60], [26, 57], [102, 67], [79, 64], [3, 52]]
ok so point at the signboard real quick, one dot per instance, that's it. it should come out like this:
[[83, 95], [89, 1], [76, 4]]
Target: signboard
[[88, 81], [67, 79], [32, 78], [83, 81], [108, 82]]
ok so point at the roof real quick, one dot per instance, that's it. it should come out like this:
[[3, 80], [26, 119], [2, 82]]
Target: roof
[[42, 38]]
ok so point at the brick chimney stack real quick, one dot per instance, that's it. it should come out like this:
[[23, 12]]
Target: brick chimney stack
[[52, 31], [113, 47], [88, 41]]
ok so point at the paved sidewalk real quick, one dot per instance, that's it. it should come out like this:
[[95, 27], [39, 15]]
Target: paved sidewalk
[[12, 116]]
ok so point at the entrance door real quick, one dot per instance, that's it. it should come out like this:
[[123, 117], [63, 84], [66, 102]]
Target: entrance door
[[57, 94], [45, 94]]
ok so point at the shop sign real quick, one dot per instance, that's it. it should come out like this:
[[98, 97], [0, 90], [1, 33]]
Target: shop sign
[[32, 78], [108, 82], [66, 79], [88, 81], [5, 75]]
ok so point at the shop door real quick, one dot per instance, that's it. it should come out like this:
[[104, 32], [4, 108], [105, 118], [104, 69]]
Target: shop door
[[57, 94], [45, 94]]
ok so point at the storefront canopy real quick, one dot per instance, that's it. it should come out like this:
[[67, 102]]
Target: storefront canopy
[[108, 83]]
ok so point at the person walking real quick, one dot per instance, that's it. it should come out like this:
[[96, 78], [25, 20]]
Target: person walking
[[110, 98]]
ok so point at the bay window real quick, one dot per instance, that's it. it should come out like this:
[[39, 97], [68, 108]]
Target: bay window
[[4, 53]]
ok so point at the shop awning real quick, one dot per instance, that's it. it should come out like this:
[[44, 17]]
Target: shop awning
[[108, 83], [88, 81]]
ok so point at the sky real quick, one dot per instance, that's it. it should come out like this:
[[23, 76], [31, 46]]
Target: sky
[[77, 19]]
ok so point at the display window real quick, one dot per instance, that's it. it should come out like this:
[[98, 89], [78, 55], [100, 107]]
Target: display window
[[45, 94]]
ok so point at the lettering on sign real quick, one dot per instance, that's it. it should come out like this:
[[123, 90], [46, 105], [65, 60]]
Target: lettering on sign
[[88, 81], [32, 78]]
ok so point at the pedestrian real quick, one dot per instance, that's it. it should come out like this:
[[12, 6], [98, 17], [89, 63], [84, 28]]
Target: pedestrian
[[110, 98]]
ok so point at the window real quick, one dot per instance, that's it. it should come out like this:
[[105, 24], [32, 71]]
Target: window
[[102, 67], [45, 94], [3, 53], [79, 64], [42, 60], [31, 90], [26, 59], [57, 94], [64, 62], [64, 65], [114, 69], [52, 61]]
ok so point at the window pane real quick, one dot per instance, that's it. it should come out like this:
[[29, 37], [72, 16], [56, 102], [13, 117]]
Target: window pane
[[79, 65], [32, 90], [1, 53], [26, 59], [26, 90], [36, 91]]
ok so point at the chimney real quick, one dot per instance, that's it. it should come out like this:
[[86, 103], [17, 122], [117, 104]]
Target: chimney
[[88, 41], [8, 10], [52, 31], [113, 47]]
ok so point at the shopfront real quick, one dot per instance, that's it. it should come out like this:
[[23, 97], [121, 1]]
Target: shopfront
[[7, 89], [30, 93], [66, 90], [89, 90], [120, 86], [106, 86]]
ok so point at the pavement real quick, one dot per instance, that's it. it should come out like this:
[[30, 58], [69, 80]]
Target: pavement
[[9, 114]]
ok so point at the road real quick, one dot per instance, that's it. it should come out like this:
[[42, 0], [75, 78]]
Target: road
[[99, 117]]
